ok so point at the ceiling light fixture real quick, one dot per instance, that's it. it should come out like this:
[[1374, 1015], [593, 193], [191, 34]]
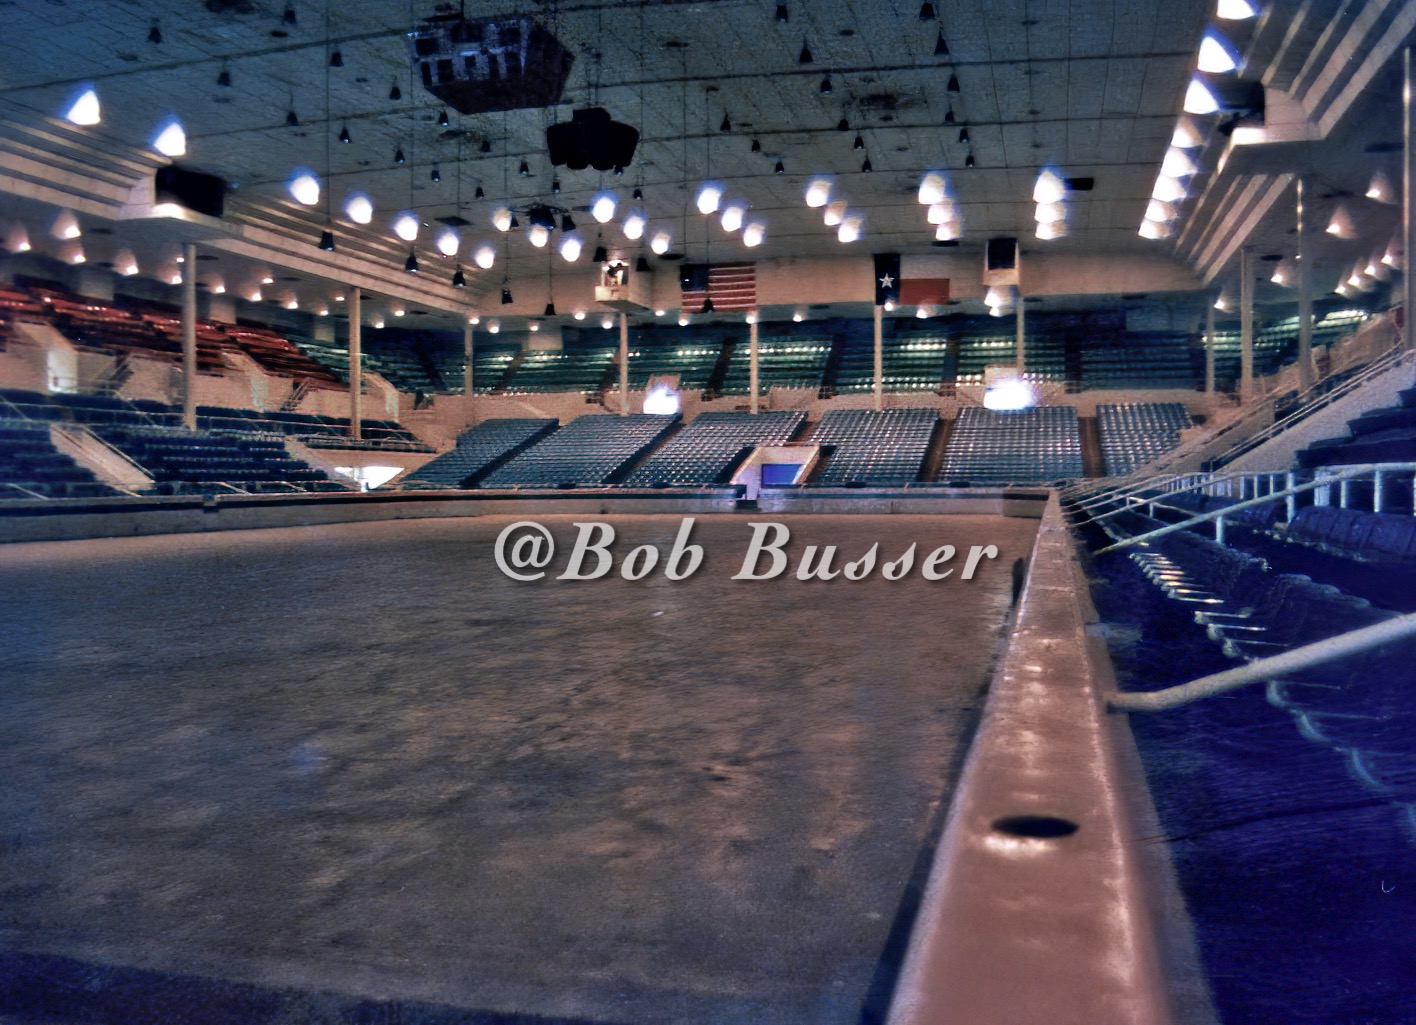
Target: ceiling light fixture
[[1199, 99], [171, 140], [155, 34], [825, 86], [1236, 10], [485, 256], [85, 108], [783, 15], [395, 93], [448, 242], [570, 247], [442, 118], [525, 169], [926, 11], [818, 191], [601, 255], [344, 135], [288, 18], [780, 168], [634, 224], [336, 59], [305, 188], [709, 195], [359, 208], [292, 120], [411, 264], [223, 78], [941, 48], [953, 85], [327, 240], [1217, 55], [405, 226], [805, 56], [602, 207], [435, 174], [398, 156], [727, 125]]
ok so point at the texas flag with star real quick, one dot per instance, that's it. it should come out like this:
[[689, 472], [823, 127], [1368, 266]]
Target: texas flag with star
[[911, 280]]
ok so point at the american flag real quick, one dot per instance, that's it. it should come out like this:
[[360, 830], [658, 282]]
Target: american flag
[[732, 286]]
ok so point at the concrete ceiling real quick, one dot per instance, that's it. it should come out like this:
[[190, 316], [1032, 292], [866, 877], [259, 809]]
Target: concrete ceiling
[[1091, 88]]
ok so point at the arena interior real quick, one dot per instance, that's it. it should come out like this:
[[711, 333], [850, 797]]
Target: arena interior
[[707, 512]]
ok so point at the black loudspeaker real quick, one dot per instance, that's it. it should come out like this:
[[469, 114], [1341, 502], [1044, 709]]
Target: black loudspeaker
[[200, 193], [591, 139], [1001, 254]]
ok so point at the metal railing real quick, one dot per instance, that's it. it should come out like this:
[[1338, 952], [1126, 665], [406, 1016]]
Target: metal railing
[[1263, 670], [1378, 472]]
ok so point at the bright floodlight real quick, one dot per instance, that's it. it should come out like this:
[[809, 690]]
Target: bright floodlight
[[1177, 164], [818, 191], [305, 187], [607, 322], [1049, 187], [733, 215], [931, 188], [1185, 136], [660, 243], [947, 231], [1051, 229], [754, 234], [1157, 210], [570, 247], [1198, 98], [634, 225], [171, 141], [1154, 229], [603, 207], [1050, 213], [493, 326], [66, 225], [448, 241], [1168, 190], [940, 212], [17, 241], [485, 256], [661, 400], [125, 263], [835, 213], [709, 194], [1381, 188], [359, 208], [1217, 56], [85, 109], [1009, 394], [501, 218], [850, 229], [1236, 10], [405, 226], [539, 235]]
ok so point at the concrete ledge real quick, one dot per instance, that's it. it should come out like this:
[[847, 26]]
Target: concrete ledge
[[73, 519], [1025, 502], [1027, 928]]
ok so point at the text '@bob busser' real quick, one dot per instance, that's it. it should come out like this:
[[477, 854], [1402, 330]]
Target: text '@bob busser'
[[525, 550]]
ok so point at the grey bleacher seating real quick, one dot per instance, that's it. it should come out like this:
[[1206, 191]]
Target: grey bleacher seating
[[478, 448], [692, 363], [782, 362], [1029, 446], [884, 447], [588, 451], [568, 370], [705, 450], [913, 363], [202, 462], [31, 467], [1133, 434]]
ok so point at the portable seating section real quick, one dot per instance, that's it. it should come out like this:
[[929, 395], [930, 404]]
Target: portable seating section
[[1036, 445], [692, 363], [712, 446], [785, 362], [979, 351], [1134, 434], [885, 447], [186, 462], [31, 467], [1143, 361], [913, 363], [479, 448], [588, 451], [568, 370]]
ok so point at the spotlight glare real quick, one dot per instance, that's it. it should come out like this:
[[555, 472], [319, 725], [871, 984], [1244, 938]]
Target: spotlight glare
[[1236, 10], [501, 218], [835, 213], [485, 256], [85, 109], [171, 140], [603, 207], [570, 248], [660, 243], [359, 208], [850, 229], [634, 225], [818, 191], [448, 242], [1177, 164], [754, 234], [305, 187], [1049, 187], [405, 226], [709, 195], [733, 215], [1198, 99], [1217, 56]]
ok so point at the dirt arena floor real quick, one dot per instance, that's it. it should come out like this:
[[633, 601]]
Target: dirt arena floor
[[355, 773]]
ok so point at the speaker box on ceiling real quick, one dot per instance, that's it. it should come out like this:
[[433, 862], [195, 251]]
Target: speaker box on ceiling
[[198, 192], [591, 139], [1001, 254]]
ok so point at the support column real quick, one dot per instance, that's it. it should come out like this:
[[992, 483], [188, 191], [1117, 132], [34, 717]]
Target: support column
[[1209, 351], [752, 364], [467, 381], [1246, 325], [356, 365], [1019, 317], [1408, 196], [1306, 377], [879, 358], [189, 336], [624, 363]]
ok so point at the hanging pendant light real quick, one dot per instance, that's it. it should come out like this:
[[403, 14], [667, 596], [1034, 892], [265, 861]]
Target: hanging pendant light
[[941, 48], [442, 118], [327, 240], [398, 157], [805, 57], [459, 280], [344, 135], [336, 59], [411, 264], [395, 93]]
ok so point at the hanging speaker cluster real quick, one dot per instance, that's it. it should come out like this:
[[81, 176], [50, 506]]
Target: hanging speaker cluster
[[481, 65], [591, 138]]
